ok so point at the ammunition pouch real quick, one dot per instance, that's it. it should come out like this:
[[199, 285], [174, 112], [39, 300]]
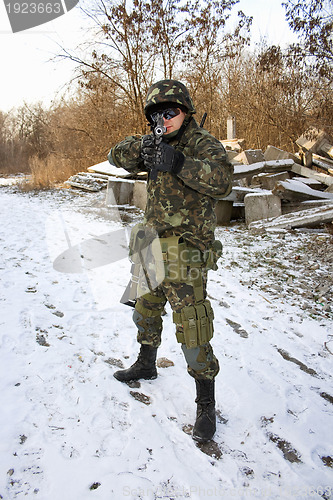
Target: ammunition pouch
[[196, 324], [174, 259], [168, 259]]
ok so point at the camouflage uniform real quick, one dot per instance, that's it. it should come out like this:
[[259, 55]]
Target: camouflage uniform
[[180, 205]]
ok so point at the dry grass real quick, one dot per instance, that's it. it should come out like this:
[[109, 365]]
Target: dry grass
[[49, 172], [13, 169]]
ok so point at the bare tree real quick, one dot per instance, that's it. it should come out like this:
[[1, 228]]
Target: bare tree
[[139, 42], [312, 21]]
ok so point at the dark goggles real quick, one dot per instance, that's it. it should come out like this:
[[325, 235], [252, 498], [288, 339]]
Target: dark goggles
[[168, 114]]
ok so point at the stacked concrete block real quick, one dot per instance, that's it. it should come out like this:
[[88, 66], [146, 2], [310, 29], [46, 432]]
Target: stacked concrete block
[[261, 206], [140, 194], [268, 181], [273, 153], [316, 141], [250, 156], [223, 212]]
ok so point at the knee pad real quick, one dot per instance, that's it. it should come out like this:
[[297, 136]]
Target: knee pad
[[147, 324], [193, 358], [194, 324], [201, 362]]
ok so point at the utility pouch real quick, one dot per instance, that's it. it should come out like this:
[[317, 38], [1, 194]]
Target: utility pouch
[[174, 259], [133, 283], [197, 324]]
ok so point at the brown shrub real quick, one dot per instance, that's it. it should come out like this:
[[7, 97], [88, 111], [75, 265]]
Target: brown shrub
[[49, 172]]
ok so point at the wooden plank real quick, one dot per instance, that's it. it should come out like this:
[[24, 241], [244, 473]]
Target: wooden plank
[[85, 187], [87, 181]]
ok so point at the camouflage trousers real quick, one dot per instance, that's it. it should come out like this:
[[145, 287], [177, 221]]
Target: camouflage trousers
[[149, 308]]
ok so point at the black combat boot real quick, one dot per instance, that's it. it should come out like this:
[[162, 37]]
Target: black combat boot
[[205, 424], [144, 366]]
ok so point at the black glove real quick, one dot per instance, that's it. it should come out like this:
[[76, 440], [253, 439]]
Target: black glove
[[162, 157], [148, 150]]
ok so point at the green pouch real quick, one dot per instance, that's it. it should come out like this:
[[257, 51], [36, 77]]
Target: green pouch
[[209, 330], [197, 323], [190, 326]]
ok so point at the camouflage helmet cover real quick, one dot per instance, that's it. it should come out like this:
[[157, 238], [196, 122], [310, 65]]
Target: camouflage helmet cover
[[168, 91]]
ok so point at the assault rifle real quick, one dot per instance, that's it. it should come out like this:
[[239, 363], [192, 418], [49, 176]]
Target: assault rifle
[[158, 130]]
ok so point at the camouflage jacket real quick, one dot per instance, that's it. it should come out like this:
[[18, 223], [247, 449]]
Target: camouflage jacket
[[183, 204]]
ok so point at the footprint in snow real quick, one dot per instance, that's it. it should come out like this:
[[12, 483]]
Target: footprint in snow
[[237, 328]]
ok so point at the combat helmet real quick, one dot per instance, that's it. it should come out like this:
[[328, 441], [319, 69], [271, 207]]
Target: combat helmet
[[163, 93]]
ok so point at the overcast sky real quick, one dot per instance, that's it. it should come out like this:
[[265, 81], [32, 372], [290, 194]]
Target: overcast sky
[[29, 76]]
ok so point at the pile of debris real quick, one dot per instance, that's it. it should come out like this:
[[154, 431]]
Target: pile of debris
[[97, 177], [277, 190], [88, 181], [271, 190]]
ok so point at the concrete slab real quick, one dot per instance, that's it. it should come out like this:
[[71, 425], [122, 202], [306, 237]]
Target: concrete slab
[[250, 156], [121, 191], [273, 153], [140, 194], [223, 212], [261, 206]]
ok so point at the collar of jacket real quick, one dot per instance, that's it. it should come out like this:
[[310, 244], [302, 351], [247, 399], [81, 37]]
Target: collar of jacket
[[181, 137]]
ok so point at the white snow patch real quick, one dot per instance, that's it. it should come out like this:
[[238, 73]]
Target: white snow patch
[[69, 430]]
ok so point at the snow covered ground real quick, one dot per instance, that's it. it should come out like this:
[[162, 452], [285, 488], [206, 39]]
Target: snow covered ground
[[70, 431]]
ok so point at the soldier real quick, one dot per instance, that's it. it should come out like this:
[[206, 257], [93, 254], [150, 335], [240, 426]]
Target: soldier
[[188, 173]]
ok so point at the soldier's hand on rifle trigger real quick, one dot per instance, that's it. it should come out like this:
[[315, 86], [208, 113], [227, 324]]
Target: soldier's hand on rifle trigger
[[148, 150], [162, 157], [168, 159]]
